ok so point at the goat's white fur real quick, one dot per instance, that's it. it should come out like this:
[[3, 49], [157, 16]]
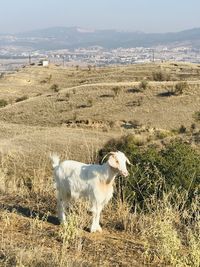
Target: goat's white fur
[[90, 181]]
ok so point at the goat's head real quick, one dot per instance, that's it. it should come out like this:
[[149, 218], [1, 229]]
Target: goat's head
[[118, 160]]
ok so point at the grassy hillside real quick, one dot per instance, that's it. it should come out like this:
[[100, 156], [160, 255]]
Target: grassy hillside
[[75, 111], [53, 96]]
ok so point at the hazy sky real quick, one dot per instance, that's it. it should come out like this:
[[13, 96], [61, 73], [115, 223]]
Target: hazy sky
[[132, 15]]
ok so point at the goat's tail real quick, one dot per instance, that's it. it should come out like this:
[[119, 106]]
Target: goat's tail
[[55, 160]]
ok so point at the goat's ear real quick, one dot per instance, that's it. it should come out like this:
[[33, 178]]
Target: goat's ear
[[112, 161]]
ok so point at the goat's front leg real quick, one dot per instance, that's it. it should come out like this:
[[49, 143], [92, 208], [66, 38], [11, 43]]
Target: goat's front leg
[[61, 210], [96, 211]]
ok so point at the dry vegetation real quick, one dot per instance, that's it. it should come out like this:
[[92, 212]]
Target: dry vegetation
[[75, 112]]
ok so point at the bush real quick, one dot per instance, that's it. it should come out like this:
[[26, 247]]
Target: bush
[[67, 95], [55, 87], [2, 75], [156, 172], [3, 103], [180, 88], [43, 81], [143, 85], [197, 116], [182, 129], [117, 90], [161, 76], [90, 102], [176, 90], [22, 98]]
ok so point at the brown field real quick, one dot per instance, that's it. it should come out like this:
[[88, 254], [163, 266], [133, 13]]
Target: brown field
[[74, 112]]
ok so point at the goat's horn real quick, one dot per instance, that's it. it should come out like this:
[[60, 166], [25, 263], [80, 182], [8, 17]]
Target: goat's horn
[[110, 153], [128, 161]]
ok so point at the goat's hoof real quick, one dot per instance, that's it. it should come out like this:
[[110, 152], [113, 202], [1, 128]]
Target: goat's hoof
[[63, 223], [96, 229]]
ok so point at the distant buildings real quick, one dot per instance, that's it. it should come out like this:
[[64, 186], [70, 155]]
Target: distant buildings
[[12, 57]]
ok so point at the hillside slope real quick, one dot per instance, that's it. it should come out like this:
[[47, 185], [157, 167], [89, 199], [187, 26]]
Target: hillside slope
[[75, 112], [58, 96]]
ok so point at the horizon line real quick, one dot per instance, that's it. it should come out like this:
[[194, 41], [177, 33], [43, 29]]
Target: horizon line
[[88, 29]]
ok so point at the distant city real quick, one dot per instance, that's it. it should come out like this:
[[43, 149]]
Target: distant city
[[11, 59]]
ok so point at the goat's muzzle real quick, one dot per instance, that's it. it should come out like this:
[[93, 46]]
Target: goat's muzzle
[[124, 173]]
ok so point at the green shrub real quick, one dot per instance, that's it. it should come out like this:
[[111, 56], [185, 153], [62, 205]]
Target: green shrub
[[3, 103], [155, 172]]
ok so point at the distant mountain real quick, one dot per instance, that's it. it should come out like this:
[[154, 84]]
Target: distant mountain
[[73, 37]]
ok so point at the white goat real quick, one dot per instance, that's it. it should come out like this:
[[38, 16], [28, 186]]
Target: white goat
[[90, 181]]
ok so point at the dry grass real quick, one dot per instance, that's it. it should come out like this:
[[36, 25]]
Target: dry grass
[[55, 121], [45, 107], [31, 236], [168, 233]]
